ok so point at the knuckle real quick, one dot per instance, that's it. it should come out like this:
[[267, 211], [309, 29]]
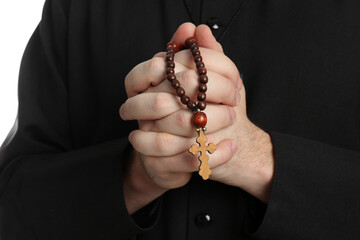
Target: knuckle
[[188, 78], [156, 64], [161, 100], [162, 142], [182, 119]]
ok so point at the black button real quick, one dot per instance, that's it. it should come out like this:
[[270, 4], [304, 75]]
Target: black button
[[214, 23], [203, 220]]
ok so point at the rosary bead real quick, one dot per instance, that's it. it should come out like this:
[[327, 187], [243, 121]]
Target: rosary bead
[[202, 87], [170, 52], [185, 99], [171, 77], [196, 52], [189, 42], [197, 59], [170, 70], [200, 119], [201, 96], [201, 105], [194, 47], [175, 83], [174, 45], [170, 64], [204, 79], [170, 57], [180, 92], [202, 70], [191, 105]]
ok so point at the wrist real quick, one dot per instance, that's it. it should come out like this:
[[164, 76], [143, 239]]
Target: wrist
[[139, 189]]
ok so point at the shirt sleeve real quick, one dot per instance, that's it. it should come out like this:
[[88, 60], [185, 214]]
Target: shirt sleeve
[[49, 189], [315, 192]]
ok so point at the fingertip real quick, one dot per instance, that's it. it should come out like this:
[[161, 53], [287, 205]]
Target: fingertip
[[184, 31], [206, 39]]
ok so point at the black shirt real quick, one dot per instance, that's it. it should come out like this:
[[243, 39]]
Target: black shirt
[[61, 166]]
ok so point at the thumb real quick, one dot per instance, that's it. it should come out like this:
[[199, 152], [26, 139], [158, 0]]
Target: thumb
[[183, 32], [206, 39]]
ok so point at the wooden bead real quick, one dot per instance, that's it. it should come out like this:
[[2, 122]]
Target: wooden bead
[[180, 92], [201, 96], [201, 105], [202, 70], [200, 119], [200, 64], [170, 57], [185, 99], [203, 79], [191, 105], [196, 52], [174, 45], [171, 77], [194, 47], [189, 42], [170, 51], [175, 83], [170, 70], [170, 64], [202, 87]]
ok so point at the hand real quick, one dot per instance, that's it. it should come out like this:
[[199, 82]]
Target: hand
[[161, 160]]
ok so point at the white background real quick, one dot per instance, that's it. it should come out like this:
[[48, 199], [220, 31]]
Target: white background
[[18, 20]]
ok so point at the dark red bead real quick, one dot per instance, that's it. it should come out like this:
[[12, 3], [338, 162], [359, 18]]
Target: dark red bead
[[170, 64], [197, 59], [202, 70], [175, 84], [196, 53], [201, 105], [180, 92], [200, 64], [201, 96], [171, 77], [194, 47], [191, 105], [174, 45], [170, 51], [185, 99], [170, 57], [190, 41], [200, 119], [203, 79], [170, 70], [202, 87]]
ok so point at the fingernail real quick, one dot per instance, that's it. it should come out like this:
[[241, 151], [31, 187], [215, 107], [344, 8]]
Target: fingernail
[[237, 97], [234, 147]]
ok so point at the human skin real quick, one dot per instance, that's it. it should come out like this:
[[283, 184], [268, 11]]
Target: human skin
[[160, 160]]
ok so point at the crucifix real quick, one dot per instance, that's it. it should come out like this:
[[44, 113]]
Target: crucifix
[[203, 158]]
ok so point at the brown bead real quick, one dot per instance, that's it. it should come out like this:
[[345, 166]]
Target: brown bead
[[170, 70], [170, 64], [191, 105], [201, 105], [180, 92], [190, 41], [194, 47], [185, 99], [201, 96], [202, 70], [175, 83], [196, 53], [200, 119], [197, 59], [203, 79], [170, 57], [173, 45], [170, 51], [202, 87], [171, 77]]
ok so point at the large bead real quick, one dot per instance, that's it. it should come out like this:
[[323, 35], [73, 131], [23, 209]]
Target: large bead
[[200, 119]]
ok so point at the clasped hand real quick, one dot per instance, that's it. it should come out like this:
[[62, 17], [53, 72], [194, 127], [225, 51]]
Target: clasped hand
[[160, 159]]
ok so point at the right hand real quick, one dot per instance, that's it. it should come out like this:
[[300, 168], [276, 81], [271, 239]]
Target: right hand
[[160, 160]]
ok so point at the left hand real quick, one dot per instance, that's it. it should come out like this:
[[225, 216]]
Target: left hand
[[251, 167]]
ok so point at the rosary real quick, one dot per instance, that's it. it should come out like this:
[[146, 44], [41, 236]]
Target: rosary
[[199, 118]]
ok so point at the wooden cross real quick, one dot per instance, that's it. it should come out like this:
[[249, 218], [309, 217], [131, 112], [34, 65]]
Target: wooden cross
[[203, 158]]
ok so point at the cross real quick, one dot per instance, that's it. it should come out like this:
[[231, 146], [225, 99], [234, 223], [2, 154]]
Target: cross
[[203, 158]]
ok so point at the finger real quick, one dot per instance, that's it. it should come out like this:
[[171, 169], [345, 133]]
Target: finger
[[149, 106], [184, 31], [180, 123], [206, 39], [219, 89], [158, 144], [146, 74], [186, 162], [214, 61]]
